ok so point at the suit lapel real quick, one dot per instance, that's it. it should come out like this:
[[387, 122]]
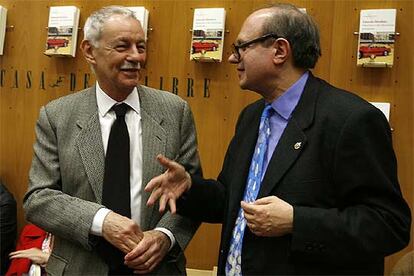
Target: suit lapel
[[293, 140], [154, 141], [89, 142], [287, 151]]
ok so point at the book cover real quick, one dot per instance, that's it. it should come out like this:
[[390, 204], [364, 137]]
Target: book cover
[[142, 14], [376, 38], [3, 17], [208, 34], [62, 31]]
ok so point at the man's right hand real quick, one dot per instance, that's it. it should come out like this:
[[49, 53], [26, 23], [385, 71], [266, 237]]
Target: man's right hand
[[168, 186], [121, 232], [34, 254]]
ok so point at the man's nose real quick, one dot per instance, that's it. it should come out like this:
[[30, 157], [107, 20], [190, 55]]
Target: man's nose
[[135, 55], [233, 58]]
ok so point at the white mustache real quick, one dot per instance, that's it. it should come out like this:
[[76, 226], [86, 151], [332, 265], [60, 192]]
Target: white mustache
[[130, 65]]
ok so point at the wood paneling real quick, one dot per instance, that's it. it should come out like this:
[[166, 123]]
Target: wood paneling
[[215, 116]]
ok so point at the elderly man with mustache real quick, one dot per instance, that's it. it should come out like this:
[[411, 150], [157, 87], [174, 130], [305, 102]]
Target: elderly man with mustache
[[95, 149]]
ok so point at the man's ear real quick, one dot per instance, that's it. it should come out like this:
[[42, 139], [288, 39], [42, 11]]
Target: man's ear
[[87, 50], [282, 50]]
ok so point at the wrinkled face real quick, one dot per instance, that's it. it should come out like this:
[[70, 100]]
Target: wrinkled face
[[120, 53], [255, 61]]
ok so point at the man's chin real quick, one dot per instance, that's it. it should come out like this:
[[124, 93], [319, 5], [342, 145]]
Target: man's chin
[[129, 86], [243, 85]]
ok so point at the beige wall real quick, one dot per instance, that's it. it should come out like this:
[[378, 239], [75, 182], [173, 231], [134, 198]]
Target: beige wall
[[168, 57]]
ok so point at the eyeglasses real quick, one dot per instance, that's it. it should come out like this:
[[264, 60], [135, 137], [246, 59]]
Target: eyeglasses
[[236, 48]]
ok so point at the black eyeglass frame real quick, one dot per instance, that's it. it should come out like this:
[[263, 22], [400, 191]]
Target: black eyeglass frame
[[236, 48]]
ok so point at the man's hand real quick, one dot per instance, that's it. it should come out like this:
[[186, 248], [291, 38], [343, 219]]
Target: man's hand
[[149, 252], [168, 186], [36, 255], [268, 216], [121, 232]]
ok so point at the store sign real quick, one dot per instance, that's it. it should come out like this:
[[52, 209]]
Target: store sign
[[26, 79]]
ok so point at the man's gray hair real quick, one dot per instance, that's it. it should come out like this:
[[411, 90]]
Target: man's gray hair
[[94, 24]]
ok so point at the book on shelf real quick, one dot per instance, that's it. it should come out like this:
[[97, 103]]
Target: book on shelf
[[376, 38], [62, 31], [142, 15], [208, 34], [3, 17]]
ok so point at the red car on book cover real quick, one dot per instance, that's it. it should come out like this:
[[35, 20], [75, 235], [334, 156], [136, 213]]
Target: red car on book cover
[[56, 43], [203, 46], [373, 50]]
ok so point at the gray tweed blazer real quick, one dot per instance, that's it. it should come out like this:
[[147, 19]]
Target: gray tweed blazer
[[66, 176]]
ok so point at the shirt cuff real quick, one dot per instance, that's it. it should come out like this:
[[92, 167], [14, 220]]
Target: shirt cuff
[[169, 234], [97, 223]]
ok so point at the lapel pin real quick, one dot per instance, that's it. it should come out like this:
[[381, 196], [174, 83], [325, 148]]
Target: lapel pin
[[297, 145]]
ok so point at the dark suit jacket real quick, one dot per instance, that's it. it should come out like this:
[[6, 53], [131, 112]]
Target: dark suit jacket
[[341, 181]]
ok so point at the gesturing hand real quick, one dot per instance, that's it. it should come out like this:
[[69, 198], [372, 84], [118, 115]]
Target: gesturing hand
[[268, 216], [168, 186], [121, 232]]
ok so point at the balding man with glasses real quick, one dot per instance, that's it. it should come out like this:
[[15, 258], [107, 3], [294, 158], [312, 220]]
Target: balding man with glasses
[[309, 181]]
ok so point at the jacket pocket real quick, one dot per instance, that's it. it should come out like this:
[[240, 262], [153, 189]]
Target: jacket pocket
[[56, 265]]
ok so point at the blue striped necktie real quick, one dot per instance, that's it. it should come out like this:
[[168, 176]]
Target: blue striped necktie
[[233, 264]]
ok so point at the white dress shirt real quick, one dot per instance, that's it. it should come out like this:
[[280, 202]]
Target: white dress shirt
[[133, 122]]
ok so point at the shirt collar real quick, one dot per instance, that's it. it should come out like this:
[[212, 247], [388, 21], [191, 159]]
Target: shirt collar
[[286, 103], [105, 102]]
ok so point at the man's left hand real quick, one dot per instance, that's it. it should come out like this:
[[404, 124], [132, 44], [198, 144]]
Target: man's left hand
[[149, 252], [268, 216]]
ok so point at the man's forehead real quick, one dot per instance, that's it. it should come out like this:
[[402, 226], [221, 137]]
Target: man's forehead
[[119, 17], [120, 21], [257, 18], [118, 25], [252, 26]]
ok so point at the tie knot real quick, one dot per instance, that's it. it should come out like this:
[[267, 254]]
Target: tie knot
[[267, 111], [120, 109]]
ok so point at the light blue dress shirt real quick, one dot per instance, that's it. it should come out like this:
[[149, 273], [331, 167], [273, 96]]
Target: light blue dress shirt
[[283, 107]]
